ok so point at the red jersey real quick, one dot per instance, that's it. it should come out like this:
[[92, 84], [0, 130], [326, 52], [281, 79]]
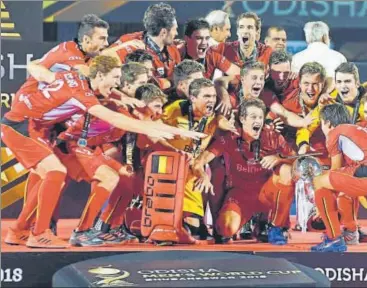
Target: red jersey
[[123, 52], [241, 166], [163, 61], [292, 103], [62, 57], [350, 141], [283, 92], [67, 95], [99, 131], [231, 51]]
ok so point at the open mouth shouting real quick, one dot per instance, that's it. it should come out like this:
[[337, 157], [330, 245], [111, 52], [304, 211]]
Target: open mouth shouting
[[202, 51], [245, 39], [256, 90], [311, 96], [344, 93], [256, 128], [209, 109]]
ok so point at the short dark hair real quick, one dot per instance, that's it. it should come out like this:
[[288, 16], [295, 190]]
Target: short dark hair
[[139, 56], [198, 84], [250, 15], [150, 92], [157, 17], [336, 114], [276, 28], [87, 25], [252, 102], [131, 71], [194, 25], [252, 66], [278, 57], [184, 69], [348, 68], [313, 68]]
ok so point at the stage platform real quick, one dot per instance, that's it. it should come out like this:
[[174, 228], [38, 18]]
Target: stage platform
[[38, 265], [299, 242]]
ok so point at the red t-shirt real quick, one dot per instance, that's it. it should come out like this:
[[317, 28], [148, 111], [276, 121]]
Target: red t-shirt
[[215, 60], [62, 57], [123, 52], [163, 69], [69, 94], [229, 51], [350, 141], [292, 103], [242, 170]]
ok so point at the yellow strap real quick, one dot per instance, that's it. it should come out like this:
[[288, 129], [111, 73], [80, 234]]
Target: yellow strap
[[363, 201]]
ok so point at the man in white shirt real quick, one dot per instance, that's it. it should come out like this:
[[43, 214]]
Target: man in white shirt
[[318, 50], [220, 26]]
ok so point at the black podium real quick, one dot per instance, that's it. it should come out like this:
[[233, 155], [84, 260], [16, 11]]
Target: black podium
[[187, 269]]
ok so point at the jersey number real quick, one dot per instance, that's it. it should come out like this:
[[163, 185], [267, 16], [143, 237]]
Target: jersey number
[[53, 87]]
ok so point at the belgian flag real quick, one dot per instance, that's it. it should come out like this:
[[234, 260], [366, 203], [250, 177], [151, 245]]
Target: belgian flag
[[162, 164]]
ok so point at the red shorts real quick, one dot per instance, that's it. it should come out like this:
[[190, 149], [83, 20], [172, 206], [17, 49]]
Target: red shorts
[[244, 201], [74, 169], [28, 143], [343, 180], [91, 160]]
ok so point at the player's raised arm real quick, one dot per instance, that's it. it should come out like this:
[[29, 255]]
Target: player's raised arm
[[105, 74], [204, 158], [112, 51], [40, 73], [291, 118], [150, 128], [221, 86]]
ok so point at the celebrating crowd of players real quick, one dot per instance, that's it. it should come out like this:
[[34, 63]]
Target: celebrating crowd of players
[[239, 110]]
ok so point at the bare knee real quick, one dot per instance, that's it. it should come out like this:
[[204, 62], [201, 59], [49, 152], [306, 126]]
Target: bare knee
[[228, 223], [50, 163], [285, 174], [107, 177]]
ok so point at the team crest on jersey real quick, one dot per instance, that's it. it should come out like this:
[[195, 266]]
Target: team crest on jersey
[[160, 71]]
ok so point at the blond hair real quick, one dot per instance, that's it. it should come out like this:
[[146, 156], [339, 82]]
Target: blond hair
[[103, 64]]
